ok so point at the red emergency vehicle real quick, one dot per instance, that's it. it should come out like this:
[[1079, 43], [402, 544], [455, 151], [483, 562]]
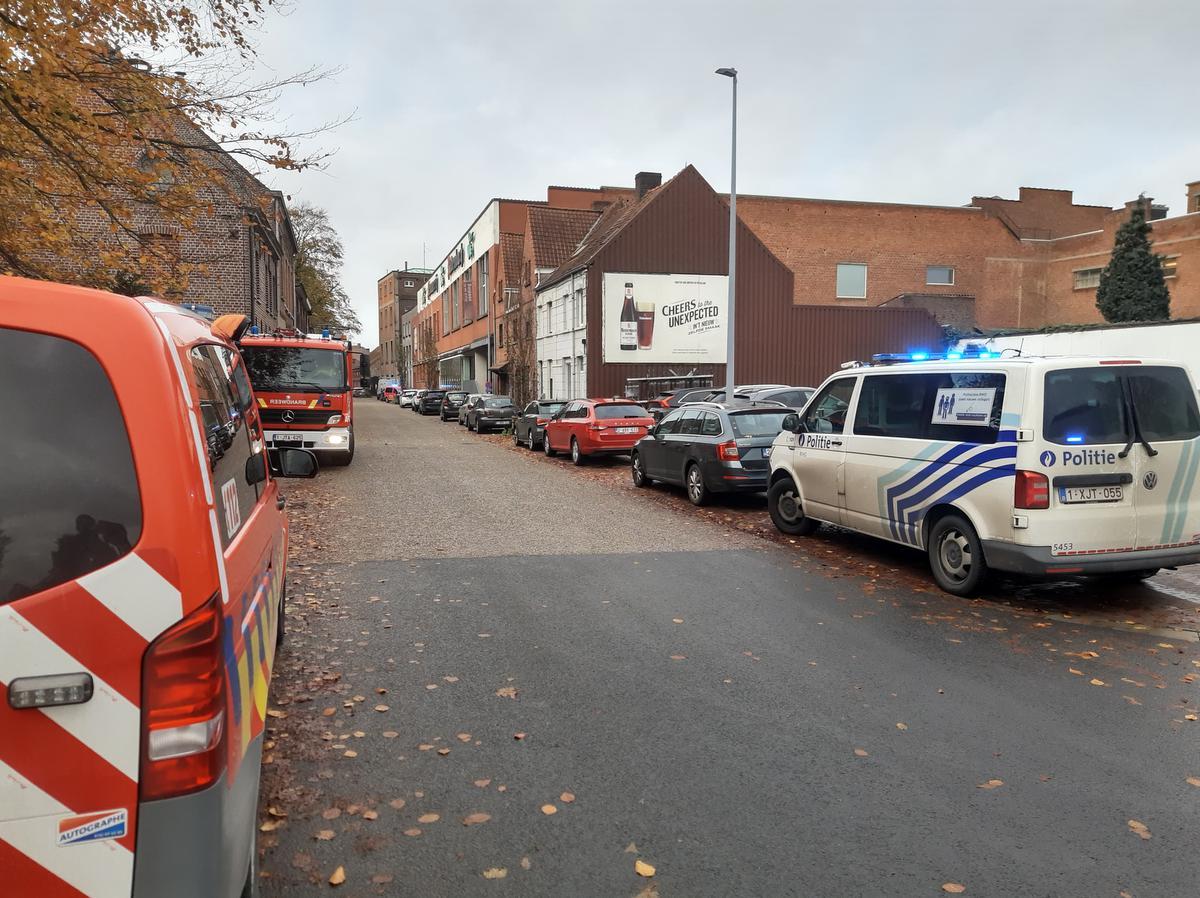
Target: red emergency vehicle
[[303, 383]]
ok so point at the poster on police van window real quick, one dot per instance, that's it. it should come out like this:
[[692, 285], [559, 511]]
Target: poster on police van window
[[665, 318], [964, 406]]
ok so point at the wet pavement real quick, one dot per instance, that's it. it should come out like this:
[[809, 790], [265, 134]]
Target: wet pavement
[[507, 675]]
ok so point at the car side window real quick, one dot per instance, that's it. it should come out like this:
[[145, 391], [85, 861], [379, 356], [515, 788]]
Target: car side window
[[670, 422], [710, 426], [689, 423], [227, 440], [827, 412], [531, 409]]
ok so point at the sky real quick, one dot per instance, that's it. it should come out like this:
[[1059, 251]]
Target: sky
[[926, 101]]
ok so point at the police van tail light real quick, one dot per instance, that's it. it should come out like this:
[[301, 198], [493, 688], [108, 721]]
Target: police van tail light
[[728, 451], [183, 707], [1032, 490]]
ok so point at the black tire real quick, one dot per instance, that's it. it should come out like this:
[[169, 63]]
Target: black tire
[[693, 481], [530, 441], [577, 458], [787, 511], [550, 453], [640, 480], [956, 556], [516, 438], [470, 426]]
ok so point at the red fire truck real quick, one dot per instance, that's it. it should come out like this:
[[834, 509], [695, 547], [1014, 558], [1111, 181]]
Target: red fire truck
[[303, 385]]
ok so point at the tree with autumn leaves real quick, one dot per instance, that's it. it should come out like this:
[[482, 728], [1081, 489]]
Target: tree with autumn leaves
[[121, 123]]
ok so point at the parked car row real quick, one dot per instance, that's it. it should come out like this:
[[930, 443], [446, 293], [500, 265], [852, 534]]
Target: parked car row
[[767, 394]]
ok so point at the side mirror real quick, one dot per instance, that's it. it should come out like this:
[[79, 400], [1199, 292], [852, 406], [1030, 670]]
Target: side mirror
[[256, 468], [791, 423], [288, 462]]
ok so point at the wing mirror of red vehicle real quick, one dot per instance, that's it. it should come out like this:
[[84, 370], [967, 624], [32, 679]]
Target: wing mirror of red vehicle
[[792, 423], [293, 463], [256, 468]]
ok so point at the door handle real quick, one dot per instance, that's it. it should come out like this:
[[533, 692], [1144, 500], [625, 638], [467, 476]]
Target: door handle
[[835, 442], [281, 501]]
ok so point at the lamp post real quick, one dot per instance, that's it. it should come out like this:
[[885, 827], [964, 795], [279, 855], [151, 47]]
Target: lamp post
[[730, 383]]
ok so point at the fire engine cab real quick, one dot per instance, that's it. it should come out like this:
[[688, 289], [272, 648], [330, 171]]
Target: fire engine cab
[[303, 386]]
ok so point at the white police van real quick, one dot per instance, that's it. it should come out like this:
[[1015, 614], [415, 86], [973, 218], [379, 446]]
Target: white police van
[[1043, 466]]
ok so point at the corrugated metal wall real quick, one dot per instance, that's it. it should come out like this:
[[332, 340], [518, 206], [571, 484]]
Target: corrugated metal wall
[[685, 230]]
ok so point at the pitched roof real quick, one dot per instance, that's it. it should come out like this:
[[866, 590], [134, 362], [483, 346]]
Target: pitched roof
[[512, 247], [556, 233], [610, 223]]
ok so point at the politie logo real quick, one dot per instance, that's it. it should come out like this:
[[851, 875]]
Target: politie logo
[[1048, 459], [92, 827]]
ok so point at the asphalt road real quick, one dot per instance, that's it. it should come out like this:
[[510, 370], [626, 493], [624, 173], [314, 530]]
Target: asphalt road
[[712, 704]]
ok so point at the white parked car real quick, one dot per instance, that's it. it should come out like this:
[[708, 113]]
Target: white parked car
[[406, 397], [1043, 466]]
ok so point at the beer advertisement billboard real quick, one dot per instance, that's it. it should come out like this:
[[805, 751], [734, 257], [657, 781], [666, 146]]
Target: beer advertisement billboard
[[665, 318]]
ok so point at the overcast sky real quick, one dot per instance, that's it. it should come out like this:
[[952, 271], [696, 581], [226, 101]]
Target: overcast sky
[[930, 101]]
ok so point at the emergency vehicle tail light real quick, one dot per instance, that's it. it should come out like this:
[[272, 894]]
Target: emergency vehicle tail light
[[728, 451], [183, 707], [1031, 490]]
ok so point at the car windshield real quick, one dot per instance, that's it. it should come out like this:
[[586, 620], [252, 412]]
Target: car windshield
[[620, 410], [498, 402], [549, 408], [757, 424], [457, 397], [434, 394], [296, 368]]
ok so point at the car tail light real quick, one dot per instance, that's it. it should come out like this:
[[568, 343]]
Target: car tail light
[[597, 427], [728, 451], [541, 421], [183, 707], [1032, 490]]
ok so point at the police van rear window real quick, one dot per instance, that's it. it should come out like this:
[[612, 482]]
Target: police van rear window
[[69, 500], [1089, 406]]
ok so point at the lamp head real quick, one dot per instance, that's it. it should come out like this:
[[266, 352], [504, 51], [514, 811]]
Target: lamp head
[[728, 73]]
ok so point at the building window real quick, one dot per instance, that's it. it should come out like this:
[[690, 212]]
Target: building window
[[549, 318], [1169, 265], [579, 308], [454, 307], [409, 284], [510, 297], [468, 305], [483, 285], [500, 333], [851, 280], [939, 274], [445, 313], [1087, 278]]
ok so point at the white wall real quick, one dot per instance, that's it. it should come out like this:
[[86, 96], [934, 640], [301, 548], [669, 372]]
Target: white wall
[[561, 353], [1178, 342]]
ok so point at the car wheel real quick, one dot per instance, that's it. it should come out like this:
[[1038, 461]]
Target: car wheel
[[470, 426], [697, 492], [530, 443], [956, 556], [550, 453], [516, 438], [639, 473], [787, 511], [577, 457]]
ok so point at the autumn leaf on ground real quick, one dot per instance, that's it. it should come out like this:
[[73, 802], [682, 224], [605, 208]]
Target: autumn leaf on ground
[[518, 736], [381, 708], [549, 809], [331, 813], [677, 620], [429, 818], [902, 726], [641, 868], [476, 818], [450, 679], [397, 803], [329, 712], [463, 737], [350, 753], [443, 751], [412, 832], [338, 877], [507, 692], [269, 826], [954, 888], [275, 712], [483, 784], [860, 752], [390, 734], [370, 815], [495, 873], [567, 797], [526, 863], [631, 848], [1078, 673], [1138, 827], [424, 746], [324, 835], [679, 657], [382, 879], [990, 784], [1096, 682], [1194, 781]]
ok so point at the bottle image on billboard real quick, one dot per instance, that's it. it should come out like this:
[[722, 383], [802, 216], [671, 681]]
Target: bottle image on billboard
[[645, 324], [628, 321]]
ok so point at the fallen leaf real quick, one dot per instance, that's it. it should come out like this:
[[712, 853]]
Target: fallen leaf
[[397, 803], [412, 832], [450, 679], [1096, 682], [902, 726], [338, 877], [1089, 655], [350, 753], [1194, 781], [1190, 717], [431, 685], [483, 784], [518, 736], [679, 657], [360, 698], [631, 848], [443, 751], [567, 797], [1078, 673], [507, 692], [370, 815], [502, 788], [381, 708], [382, 879], [324, 835], [860, 752], [424, 746], [495, 873], [954, 888], [641, 868], [379, 690], [990, 784], [549, 809], [526, 863], [429, 818], [1138, 827], [476, 818], [269, 826], [463, 737], [677, 620], [275, 712], [390, 734], [329, 712], [331, 813]]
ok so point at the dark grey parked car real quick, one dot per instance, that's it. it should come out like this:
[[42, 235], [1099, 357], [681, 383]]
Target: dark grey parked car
[[710, 449], [451, 403], [528, 426], [472, 400], [429, 403], [492, 413]]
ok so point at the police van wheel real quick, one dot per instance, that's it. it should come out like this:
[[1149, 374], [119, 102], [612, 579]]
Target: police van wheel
[[787, 511], [956, 556]]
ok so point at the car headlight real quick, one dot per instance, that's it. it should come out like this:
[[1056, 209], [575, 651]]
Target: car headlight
[[336, 439]]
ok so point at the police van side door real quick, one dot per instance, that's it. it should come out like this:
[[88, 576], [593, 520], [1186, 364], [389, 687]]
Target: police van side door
[[818, 452]]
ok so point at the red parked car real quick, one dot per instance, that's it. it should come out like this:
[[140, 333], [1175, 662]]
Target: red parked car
[[586, 427]]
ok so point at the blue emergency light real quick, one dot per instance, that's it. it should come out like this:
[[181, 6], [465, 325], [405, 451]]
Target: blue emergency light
[[254, 331], [1074, 438], [324, 333]]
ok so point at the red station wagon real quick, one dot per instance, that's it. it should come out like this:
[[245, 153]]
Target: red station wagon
[[586, 427]]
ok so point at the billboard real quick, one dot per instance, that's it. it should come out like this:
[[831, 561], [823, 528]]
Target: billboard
[[665, 318]]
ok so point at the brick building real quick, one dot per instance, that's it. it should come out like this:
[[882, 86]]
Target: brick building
[[397, 294]]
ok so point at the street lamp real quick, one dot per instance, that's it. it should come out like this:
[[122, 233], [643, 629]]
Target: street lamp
[[730, 383]]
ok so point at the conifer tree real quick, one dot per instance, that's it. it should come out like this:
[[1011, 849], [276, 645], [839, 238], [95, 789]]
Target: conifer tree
[[1131, 285]]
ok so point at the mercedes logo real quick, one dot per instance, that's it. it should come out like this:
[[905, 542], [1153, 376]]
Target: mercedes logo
[[289, 416], [1150, 481]]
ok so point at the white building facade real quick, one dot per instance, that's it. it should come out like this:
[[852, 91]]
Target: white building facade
[[562, 337]]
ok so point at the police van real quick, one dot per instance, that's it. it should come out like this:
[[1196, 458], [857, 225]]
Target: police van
[[1051, 467], [143, 545]]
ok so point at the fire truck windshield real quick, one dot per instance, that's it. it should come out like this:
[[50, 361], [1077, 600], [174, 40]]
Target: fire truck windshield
[[276, 368]]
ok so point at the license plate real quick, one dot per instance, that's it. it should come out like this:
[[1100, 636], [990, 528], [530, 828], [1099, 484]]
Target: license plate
[[625, 430], [289, 438], [1072, 495]]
